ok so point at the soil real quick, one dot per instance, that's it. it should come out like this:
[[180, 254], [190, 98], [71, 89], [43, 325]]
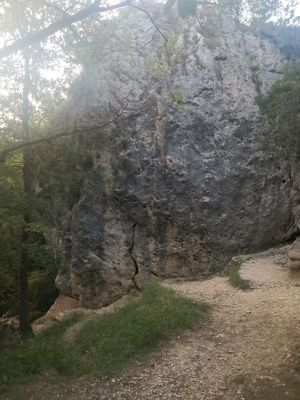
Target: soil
[[246, 351]]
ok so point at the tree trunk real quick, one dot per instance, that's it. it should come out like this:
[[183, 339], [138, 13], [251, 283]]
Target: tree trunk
[[24, 317]]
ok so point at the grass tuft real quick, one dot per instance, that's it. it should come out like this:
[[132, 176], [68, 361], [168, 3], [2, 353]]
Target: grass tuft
[[235, 278], [106, 343]]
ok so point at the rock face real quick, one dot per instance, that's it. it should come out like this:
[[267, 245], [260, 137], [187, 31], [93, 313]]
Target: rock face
[[177, 182]]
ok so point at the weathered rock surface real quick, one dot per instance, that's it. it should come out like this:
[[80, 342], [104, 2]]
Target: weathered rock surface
[[178, 182]]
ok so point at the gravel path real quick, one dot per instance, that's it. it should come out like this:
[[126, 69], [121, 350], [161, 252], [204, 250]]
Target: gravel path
[[251, 335]]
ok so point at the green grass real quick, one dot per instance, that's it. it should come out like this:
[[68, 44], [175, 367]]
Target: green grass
[[105, 344], [235, 277], [137, 329]]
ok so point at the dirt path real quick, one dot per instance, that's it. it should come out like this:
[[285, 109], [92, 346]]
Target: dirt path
[[247, 345]]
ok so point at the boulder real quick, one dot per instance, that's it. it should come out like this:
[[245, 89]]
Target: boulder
[[179, 181]]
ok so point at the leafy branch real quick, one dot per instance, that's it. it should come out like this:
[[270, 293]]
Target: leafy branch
[[65, 22]]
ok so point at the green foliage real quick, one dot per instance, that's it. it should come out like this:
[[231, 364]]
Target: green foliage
[[166, 60], [235, 278], [11, 205], [57, 182], [105, 344], [48, 351], [18, 18], [42, 288], [157, 69], [44, 262], [177, 98], [281, 108]]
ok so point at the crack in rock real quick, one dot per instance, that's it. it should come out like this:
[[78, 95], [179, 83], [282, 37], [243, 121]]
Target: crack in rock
[[136, 271]]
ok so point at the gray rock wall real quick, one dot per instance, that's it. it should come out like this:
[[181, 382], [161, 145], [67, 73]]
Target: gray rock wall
[[178, 182]]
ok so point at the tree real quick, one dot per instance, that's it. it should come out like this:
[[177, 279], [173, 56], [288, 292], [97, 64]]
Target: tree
[[33, 22], [11, 204], [24, 317], [246, 10], [21, 122], [57, 26]]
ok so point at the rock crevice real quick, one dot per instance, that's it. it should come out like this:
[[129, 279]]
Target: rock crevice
[[136, 269]]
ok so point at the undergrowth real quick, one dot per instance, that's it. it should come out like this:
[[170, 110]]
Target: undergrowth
[[45, 352], [235, 277], [105, 344]]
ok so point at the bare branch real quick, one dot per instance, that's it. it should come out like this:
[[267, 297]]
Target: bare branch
[[151, 19], [57, 26]]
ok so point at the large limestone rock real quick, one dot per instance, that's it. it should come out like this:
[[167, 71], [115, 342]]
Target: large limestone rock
[[178, 182]]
